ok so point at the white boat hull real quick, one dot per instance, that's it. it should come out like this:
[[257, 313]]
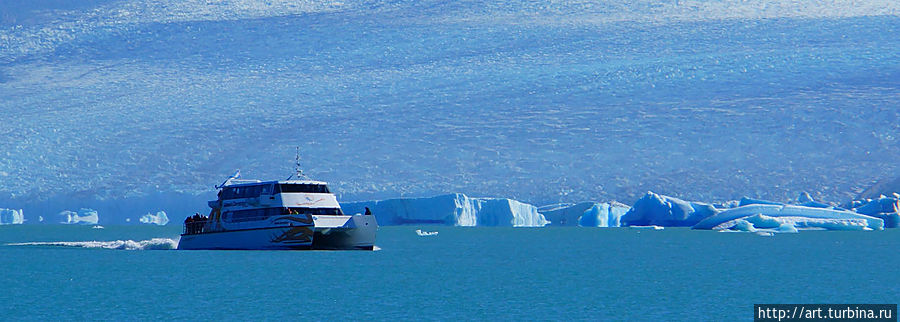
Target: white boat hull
[[326, 232]]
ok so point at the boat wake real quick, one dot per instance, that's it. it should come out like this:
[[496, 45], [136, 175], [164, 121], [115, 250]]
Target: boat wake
[[150, 244]]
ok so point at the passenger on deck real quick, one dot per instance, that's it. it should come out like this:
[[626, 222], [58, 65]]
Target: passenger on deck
[[368, 212]]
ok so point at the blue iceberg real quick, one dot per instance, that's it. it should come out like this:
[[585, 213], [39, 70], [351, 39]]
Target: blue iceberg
[[585, 214], [603, 215], [84, 216], [885, 208], [800, 217], [658, 210], [11, 216], [453, 210]]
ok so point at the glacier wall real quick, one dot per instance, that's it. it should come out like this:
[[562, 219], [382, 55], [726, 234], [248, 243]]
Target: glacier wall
[[11, 216], [453, 209], [706, 100]]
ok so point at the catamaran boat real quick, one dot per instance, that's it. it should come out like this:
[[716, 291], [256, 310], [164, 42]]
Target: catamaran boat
[[287, 214]]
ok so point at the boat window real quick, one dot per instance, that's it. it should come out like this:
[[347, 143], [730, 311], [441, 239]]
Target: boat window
[[313, 211], [306, 188], [245, 191]]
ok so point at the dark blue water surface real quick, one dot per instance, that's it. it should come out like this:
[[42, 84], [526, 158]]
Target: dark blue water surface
[[462, 273]]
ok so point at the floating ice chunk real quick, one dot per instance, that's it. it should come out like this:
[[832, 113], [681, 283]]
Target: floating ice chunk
[[743, 225], [11, 216], [659, 210], [772, 216], [84, 216], [425, 233], [786, 228], [159, 218], [603, 215], [453, 209], [98, 227], [765, 233], [647, 227]]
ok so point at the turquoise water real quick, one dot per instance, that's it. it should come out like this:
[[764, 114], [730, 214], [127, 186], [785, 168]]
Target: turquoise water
[[462, 273]]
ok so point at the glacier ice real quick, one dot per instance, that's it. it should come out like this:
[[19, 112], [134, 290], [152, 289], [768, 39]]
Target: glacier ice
[[84, 216], [585, 214], [603, 215], [160, 218], [452, 209], [11, 216], [658, 210], [801, 217], [550, 81], [884, 207]]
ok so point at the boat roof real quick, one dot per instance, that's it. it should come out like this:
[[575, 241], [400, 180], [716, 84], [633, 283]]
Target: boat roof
[[245, 182]]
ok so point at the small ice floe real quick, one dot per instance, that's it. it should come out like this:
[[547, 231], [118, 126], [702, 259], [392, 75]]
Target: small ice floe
[[765, 233], [652, 227], [98, 227], [425, 233]]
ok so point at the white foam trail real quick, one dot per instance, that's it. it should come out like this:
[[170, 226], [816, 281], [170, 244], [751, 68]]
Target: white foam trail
[[150, 244]]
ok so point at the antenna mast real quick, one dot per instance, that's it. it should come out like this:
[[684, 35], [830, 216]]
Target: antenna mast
[[297, 165]]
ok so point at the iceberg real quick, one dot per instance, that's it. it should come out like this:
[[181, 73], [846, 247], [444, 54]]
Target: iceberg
[[658, 210], [11, 216], [84, 216], [801, 217], [160, 218], [452, 209], [585, 214], [886, 208], [422, 233], [603, 215]]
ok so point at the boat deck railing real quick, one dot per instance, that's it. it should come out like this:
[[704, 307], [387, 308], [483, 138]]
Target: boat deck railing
[[195, 226]]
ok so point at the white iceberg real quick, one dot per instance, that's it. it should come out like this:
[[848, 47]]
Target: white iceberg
[[453, 209], [84, 216], [658, 210], [11, 216], [800, 217], [422, 233], [160, 218]]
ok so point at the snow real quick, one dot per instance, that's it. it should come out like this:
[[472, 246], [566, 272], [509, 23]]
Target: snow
[[84, 216], [453, 209], [654, 209], [11, 216], [773, 216], [159, 218]]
